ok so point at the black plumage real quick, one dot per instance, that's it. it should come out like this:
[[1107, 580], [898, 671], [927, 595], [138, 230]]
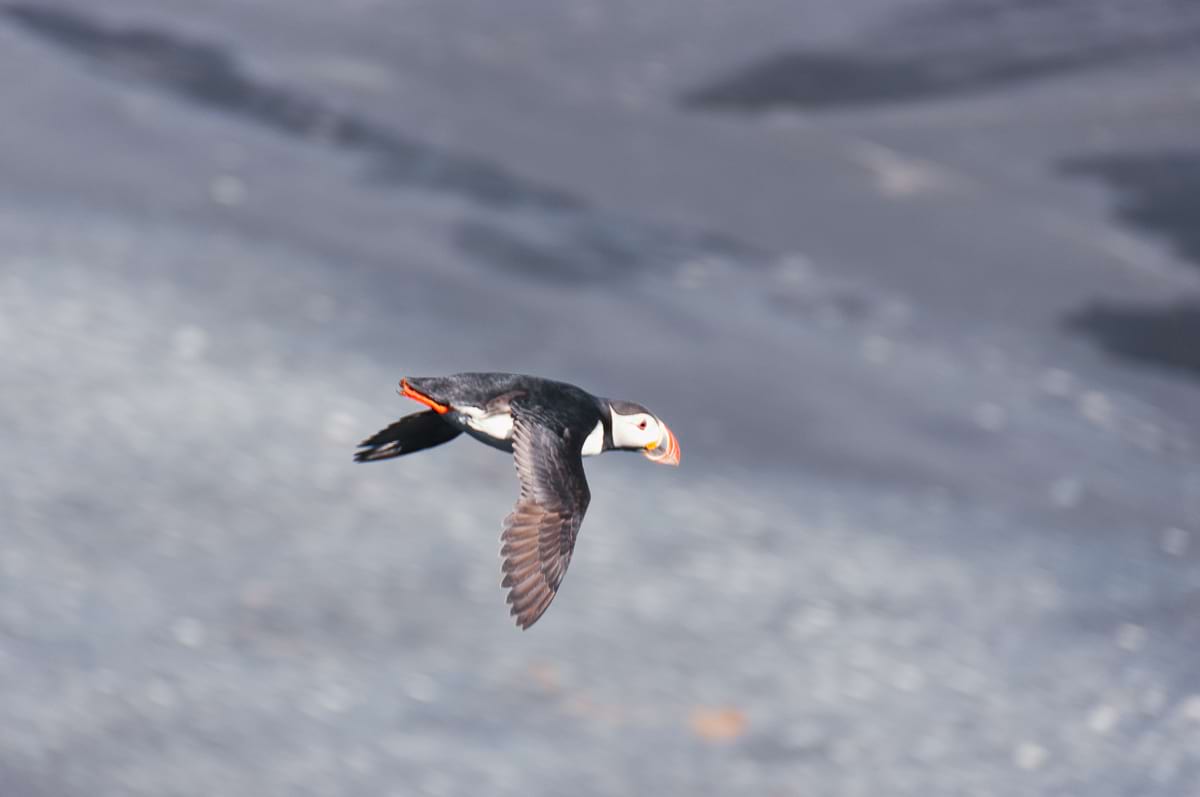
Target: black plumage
[[411, 433], [539, 534], [546, 425]]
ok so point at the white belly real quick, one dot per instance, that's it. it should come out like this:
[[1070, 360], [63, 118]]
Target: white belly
[[593, 444], [497, 427], [492, 428]]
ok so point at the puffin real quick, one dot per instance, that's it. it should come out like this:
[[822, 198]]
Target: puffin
[[548, 427]]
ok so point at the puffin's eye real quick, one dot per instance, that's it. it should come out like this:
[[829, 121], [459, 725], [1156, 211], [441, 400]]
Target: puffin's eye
[[642, 425]]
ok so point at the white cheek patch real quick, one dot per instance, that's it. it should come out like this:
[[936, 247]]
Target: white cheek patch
[[593, 444], [623, 433]]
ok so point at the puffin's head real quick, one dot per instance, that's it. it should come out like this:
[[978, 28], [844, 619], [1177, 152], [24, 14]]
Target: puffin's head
[[635, 428]]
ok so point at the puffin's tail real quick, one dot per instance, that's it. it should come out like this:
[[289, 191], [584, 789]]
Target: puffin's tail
[[411, 433]]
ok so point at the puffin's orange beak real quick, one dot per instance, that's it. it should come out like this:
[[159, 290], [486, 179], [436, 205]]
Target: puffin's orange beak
[[666, 450]]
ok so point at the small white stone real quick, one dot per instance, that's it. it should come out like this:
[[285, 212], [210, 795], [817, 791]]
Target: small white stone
[[160, 693], [353, 72], [421, 688], [437, 784], [1103, 719], [332, 698], [340, 427], [1154, 700], [1175, 541], [897, 175], [908, 679], [228, 190], [1096, 408], [70, 313], [1044, 594], [106, 682], [1165, 769], [321, 308], [859, 686], [13, 563], [375, 494], [188, 632], [1190, 708], [802, 736], [991, 417], [932, 748], [1147, 436], [246, 470], [1131, 637], [358, 761], [812, 621], [1066, 492], [876, 349], [793, 269], [864, 657], [693, 274], [1029, 756], [1057, 382], [189, 342]]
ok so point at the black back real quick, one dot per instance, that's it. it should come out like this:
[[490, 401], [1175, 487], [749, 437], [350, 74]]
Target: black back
[[555, 404]]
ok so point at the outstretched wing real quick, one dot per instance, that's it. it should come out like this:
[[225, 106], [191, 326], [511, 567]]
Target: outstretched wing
[[540, 533], [411, 433]]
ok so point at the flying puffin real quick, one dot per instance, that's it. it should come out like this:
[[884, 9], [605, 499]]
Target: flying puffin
[[549, 427]]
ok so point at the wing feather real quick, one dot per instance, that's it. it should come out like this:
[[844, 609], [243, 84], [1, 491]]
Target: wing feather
[[539, 534], [415, 432]]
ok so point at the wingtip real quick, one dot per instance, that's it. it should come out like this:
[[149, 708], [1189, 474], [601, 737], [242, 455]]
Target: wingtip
[[370, 451], [523, 620], [524, 609]]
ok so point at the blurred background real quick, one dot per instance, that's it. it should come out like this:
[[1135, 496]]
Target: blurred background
[[915, 282]]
